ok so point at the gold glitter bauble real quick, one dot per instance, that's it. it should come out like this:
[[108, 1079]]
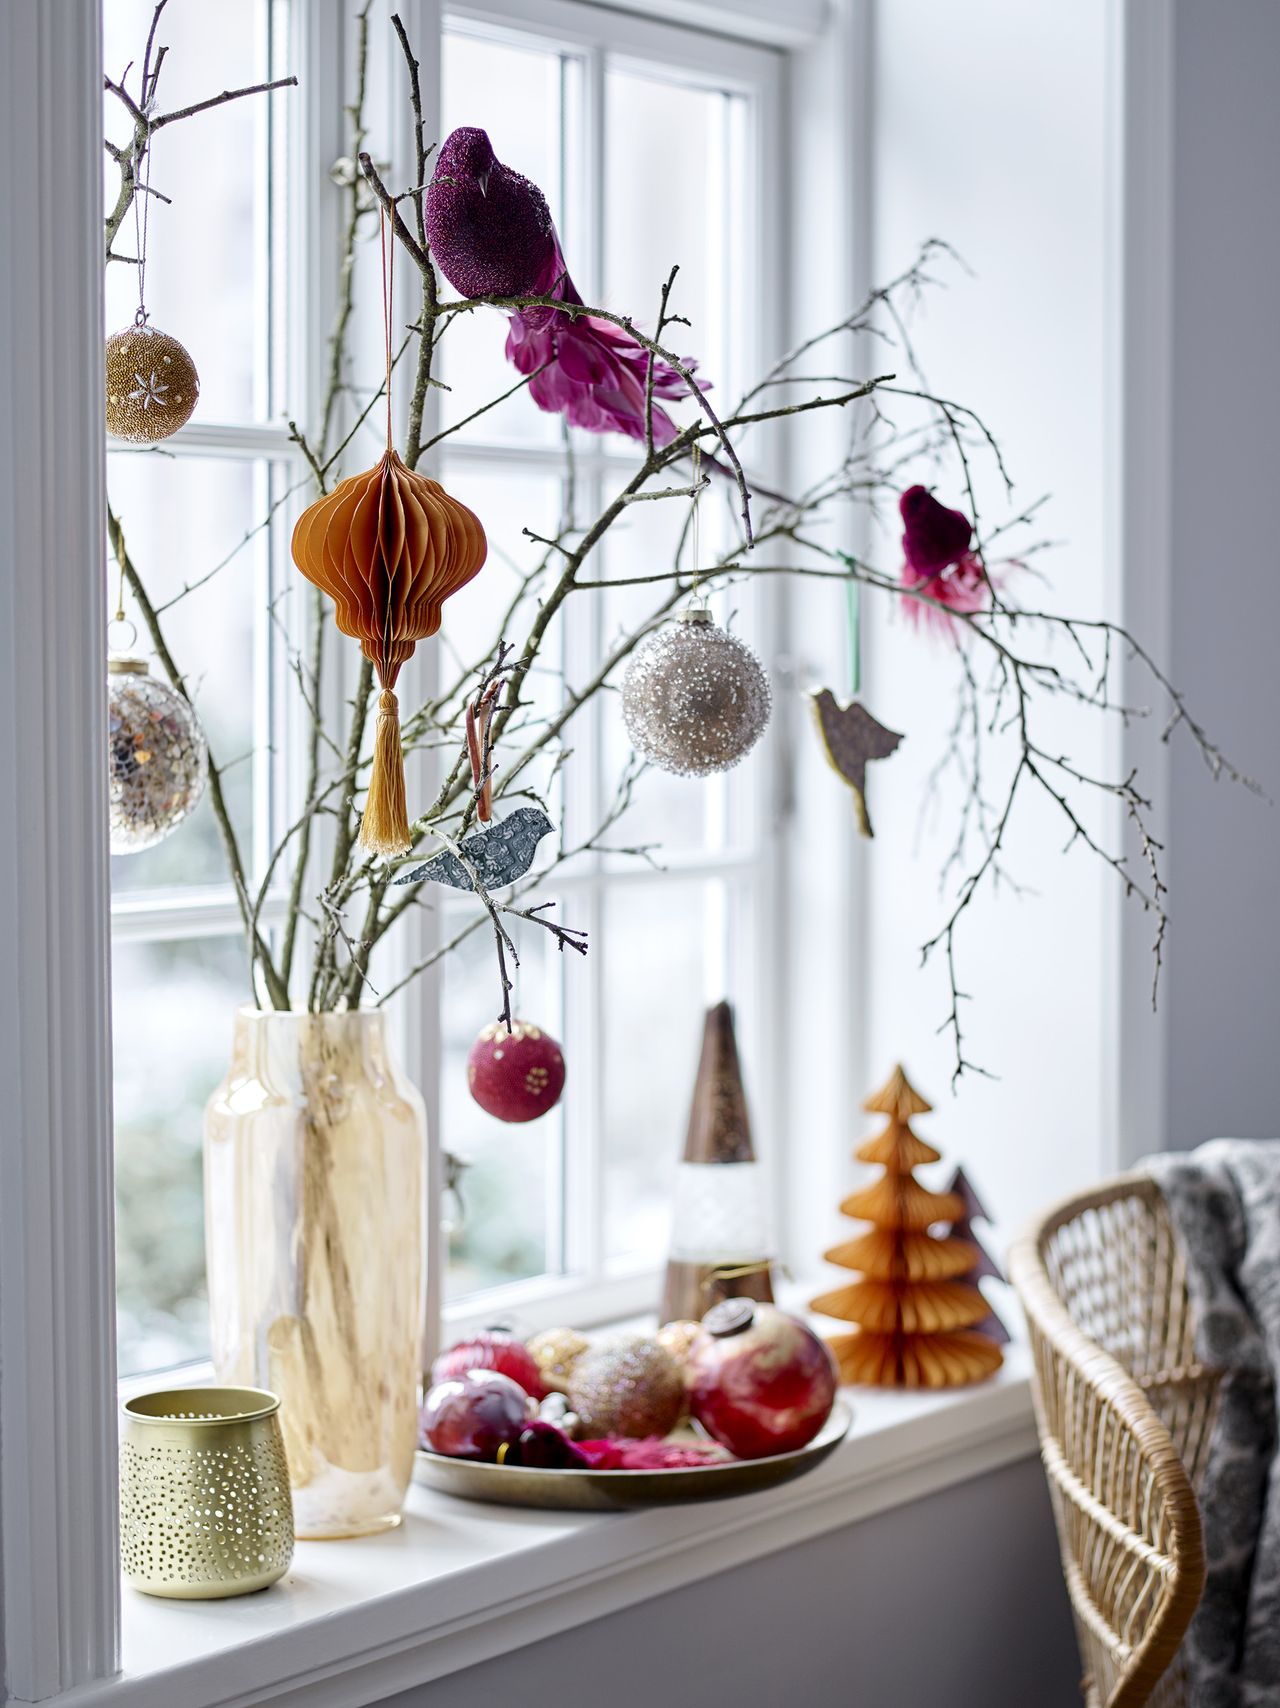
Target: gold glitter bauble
[[152, 385], [629, 1387], [157, 755], [677, 1337], [556, 1351], [695, 699]]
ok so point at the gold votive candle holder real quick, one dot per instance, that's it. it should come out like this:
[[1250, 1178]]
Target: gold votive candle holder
[[205, 1510]]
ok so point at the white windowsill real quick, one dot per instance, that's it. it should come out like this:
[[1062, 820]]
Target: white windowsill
[[457, 1583]]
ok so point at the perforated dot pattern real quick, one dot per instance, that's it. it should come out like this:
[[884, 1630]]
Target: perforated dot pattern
[[211, 1518]]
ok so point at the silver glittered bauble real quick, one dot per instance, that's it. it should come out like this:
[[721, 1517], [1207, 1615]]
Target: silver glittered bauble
[[630, 1386], [152, 384], [158, 757], [695, 699]]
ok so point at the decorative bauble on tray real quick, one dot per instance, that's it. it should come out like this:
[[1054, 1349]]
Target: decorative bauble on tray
[[157, 756], [492, 1349], [556, 1351], [761, 1382], [629, 1386], [622, 1436]]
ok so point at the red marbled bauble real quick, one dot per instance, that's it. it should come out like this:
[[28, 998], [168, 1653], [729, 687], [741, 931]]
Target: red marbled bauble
[[515, 1076], [761, 1382]]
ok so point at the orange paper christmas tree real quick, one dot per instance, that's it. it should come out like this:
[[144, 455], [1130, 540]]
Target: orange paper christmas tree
[[914, 1316]]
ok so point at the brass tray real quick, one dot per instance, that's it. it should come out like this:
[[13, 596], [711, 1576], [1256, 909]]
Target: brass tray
[[614, 1491]]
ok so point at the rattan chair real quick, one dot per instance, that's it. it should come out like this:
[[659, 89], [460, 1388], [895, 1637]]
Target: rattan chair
[[1124, 1413]]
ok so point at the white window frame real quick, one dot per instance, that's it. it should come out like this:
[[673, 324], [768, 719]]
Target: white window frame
[[587, 1290], [57, 1342]]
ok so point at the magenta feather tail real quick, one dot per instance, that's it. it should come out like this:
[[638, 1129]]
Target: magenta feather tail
[[588, 370]]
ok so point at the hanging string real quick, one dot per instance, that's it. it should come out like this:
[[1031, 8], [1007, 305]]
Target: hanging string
[[693, 520], [388, 301], [141, 218], [120, 621]]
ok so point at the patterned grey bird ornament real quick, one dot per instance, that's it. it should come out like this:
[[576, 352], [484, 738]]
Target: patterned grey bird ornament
[[499, 855]]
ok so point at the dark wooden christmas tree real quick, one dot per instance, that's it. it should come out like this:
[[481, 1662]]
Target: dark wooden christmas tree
[[914, 1314], [975, 1211]]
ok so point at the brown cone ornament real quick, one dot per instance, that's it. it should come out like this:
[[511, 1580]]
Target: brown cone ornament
[[388, 546], [720, 1245]]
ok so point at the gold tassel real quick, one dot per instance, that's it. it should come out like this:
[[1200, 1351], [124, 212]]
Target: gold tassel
[[384, 828]]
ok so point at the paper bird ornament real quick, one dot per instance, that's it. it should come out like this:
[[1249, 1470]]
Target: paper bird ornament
[[850, 738], [499, 855]]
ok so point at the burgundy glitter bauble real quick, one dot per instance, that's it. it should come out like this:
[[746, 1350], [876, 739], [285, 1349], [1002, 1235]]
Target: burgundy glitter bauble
[[516, 1075]]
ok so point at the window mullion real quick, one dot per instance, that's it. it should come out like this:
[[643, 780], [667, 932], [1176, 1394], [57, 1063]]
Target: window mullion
[[582, 1158]]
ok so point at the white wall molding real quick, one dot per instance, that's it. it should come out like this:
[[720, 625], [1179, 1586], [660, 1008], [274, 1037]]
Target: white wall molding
[[826, 201], [1140, 328], [57, 1292]]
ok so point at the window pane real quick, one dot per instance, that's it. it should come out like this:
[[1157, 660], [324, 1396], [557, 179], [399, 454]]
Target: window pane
[[181, 517], [511, 1187], [661, 958], [206, 279], [671, 196], [675, 814], [507, 501], [173, 1005], [514, 93]]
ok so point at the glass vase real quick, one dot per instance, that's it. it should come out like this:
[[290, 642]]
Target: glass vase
[[315, 1165]]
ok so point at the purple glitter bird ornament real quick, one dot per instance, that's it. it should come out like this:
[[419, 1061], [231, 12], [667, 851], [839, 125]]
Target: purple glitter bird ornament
[[491, 234], [938, 560]]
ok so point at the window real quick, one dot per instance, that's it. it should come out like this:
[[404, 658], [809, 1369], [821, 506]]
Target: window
[[190, 513], [571, 1214], [567, 1216]]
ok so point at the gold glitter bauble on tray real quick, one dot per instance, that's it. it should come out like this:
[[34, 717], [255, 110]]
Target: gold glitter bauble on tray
[[695, 699], [677, 1338], [152, 385], [556, 1351], [628, 1387], [158, 757]]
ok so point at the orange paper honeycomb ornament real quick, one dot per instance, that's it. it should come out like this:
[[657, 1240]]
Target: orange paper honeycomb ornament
[[388, 546], [914, 1316]]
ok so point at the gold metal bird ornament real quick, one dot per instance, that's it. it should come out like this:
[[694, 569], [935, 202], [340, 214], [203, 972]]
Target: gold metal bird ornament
[[850, 738]]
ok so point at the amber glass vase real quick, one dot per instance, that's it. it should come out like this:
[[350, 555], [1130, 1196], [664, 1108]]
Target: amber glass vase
[[315, 1162]]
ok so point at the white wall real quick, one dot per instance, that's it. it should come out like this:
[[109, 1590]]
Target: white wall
[[1221, 1073], [954, 1601], [991, 132]]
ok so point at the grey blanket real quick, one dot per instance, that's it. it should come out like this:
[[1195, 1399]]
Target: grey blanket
[[1225, 1202]]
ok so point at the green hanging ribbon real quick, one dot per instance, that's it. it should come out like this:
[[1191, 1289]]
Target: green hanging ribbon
[[853, 595]]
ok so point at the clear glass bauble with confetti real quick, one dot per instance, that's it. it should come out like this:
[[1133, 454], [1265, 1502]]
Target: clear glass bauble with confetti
[[695, 699], [157, 754]]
